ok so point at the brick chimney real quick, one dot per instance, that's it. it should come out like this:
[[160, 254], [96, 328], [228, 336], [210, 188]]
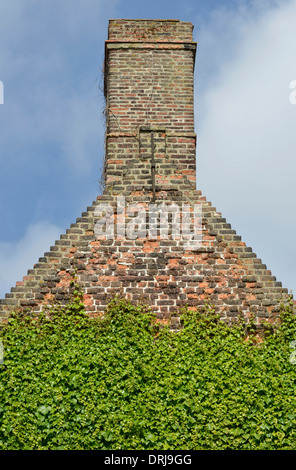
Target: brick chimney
[[150, 139], [150, 160]]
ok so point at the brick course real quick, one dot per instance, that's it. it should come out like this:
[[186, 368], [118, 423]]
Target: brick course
[[150, 159]]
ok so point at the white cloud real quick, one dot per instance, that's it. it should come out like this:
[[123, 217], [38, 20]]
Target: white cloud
[[246, 129], [17, 258]]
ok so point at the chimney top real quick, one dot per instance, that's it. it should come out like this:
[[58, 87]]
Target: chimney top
[[149, 30]]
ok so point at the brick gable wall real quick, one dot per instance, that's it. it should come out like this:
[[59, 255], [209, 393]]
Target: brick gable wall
[[150, 159]]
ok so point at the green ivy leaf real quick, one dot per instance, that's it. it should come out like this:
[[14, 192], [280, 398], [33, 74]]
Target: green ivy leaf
[[44, 409]]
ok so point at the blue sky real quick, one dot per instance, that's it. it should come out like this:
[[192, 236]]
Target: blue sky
[[52, 126]]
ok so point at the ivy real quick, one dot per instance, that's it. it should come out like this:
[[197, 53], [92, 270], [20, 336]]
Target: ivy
[[69, 381]]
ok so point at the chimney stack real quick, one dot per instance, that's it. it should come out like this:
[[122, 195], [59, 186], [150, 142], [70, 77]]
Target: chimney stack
[[150, 139]]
